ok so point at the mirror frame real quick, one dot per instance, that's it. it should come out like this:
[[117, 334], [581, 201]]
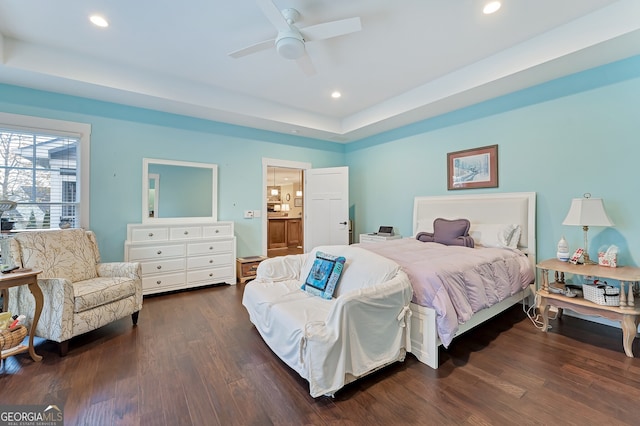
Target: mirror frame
[[175, 220]]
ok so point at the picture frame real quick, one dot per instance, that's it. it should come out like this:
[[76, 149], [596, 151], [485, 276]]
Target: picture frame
[[297, 202], [473, 168]]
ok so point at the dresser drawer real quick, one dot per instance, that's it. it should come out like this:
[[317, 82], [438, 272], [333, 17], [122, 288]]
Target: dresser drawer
[[162, 266], [209, 247], [210, 275], [149, 234], [161, 281], [212, 260], [155, 252], [221, 230], [185, 232]]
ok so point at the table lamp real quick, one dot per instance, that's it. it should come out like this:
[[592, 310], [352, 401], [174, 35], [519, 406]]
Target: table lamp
[[587, 212]]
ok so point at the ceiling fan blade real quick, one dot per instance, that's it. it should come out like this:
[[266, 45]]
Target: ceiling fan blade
[[305, 64], [273, 14], [263, 45], [331, 29]]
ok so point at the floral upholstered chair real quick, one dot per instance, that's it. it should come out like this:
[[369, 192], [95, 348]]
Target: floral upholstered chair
[[80, 293]]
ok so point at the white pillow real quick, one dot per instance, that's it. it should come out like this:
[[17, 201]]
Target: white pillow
[[495, 235]]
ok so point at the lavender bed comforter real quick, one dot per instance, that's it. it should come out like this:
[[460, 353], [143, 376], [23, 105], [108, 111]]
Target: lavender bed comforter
[[457, 281]]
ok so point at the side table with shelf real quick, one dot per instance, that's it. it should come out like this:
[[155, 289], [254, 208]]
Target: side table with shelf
[[30, 278], [627, 313]]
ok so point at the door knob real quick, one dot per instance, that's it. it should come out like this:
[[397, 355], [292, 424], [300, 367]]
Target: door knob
[[343, 223]]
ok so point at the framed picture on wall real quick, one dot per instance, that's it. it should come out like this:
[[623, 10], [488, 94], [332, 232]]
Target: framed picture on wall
[[473, 168], [297, 202]]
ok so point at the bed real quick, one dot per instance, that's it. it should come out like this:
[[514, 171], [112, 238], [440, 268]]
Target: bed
[[482, 210]]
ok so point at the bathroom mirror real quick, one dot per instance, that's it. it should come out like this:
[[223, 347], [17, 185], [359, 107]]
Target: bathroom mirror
[[179, 191]]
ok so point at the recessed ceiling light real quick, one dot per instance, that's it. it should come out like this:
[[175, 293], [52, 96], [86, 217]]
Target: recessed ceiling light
[[336, 95], [491, 7], [99, 21]]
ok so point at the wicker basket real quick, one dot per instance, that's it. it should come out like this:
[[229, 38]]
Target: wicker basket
[[12, 338], [602, 294]]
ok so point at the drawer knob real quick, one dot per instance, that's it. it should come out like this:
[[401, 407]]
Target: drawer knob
[[186, 232], [211, 248], [217, 231], [151, 234], [159, 267], [159, 252], [211, 261], [211, 274], [158, 282]]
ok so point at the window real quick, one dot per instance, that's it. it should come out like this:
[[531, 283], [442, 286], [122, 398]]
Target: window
[[44, 169]]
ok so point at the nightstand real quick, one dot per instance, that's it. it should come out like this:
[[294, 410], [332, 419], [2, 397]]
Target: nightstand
[[246, 267], [628, 312], [375, 238]]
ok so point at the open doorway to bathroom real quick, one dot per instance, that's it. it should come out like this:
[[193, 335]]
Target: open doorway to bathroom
[[285, 210]]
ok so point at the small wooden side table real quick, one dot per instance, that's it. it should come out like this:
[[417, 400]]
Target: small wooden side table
[[628, 313], [246, 267], [30, 278]]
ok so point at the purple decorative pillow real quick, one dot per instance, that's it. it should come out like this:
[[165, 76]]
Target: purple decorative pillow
[[448, 232]]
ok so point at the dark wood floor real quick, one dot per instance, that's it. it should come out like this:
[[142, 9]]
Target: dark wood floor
[[194, 359]]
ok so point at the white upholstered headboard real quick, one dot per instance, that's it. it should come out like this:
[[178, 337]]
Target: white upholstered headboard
[[503, 208]]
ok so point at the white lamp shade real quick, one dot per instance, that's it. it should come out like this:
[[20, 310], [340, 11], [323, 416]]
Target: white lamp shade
[[587, 212]]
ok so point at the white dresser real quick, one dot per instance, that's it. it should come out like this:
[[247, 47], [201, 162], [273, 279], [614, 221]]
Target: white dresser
[[176, 257]]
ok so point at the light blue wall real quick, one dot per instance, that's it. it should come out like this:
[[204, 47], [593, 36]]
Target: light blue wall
[[561, 139], [122, 136]]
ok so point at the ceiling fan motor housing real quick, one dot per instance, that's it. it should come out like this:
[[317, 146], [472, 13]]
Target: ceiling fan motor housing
[[290, 44]]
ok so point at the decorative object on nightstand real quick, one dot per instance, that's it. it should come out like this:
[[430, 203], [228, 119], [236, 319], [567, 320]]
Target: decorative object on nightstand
[[587, 212], [563, 250], [247, 267]]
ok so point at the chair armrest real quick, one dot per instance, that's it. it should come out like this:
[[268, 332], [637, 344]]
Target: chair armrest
[[281, 268], [119, 269], [56, 319]]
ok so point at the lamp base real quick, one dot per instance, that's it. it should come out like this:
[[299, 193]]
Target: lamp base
[[587, 260]]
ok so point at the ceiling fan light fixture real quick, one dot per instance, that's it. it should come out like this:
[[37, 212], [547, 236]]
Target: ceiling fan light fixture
[[290, 45]]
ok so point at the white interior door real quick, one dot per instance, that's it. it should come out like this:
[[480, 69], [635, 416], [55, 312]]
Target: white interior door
[[326, 207]]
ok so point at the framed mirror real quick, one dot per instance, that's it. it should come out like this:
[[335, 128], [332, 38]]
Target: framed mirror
[[179, 191]]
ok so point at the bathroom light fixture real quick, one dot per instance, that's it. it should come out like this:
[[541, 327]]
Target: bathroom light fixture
[[274, 191], [299, 191]]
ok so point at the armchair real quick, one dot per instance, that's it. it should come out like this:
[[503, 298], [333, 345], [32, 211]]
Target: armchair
[[80, 293]]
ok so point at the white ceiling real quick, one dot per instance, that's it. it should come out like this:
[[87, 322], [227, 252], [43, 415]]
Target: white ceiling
[[413, 59]]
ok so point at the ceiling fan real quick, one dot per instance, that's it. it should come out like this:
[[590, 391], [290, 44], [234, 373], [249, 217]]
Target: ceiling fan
[[290, 41]]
